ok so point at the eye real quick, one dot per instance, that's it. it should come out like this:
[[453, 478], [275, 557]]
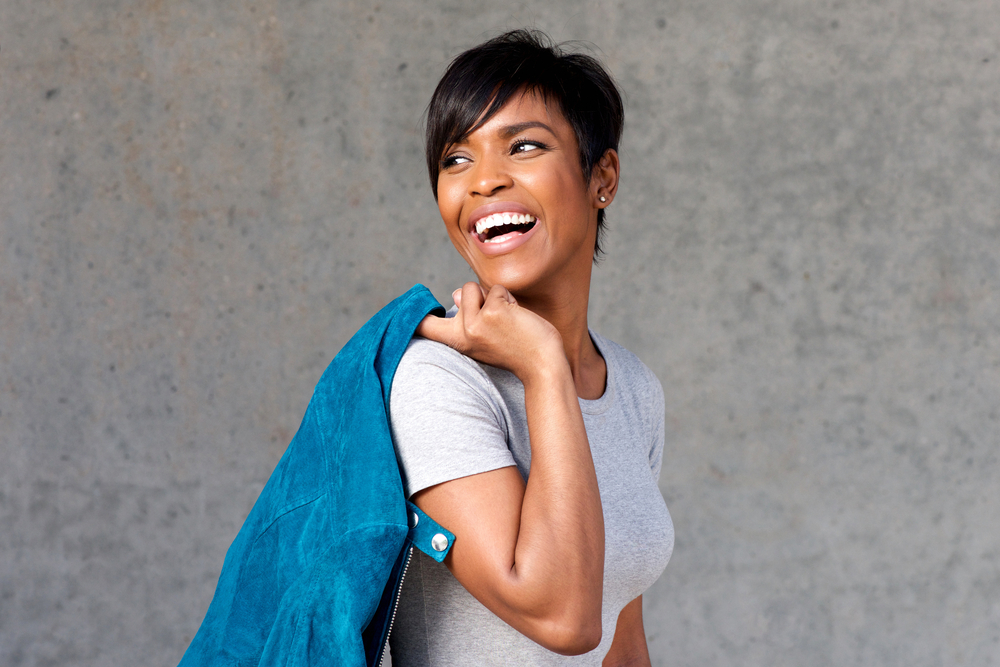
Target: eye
[[524, 146], [453, 161]]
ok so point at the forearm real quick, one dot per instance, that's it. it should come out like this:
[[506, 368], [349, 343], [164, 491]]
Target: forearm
[[628, 648], [557, 566]]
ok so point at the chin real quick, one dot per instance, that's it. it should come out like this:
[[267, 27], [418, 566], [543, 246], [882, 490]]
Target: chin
[[514, 281]]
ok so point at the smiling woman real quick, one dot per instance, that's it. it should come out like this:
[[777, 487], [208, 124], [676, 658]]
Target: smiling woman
[[523, 160], [536, 441]]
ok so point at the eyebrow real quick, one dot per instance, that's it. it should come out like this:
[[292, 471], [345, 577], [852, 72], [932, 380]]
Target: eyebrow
[[510, 130], [506, 132]]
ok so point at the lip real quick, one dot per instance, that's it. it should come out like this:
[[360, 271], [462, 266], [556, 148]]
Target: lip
[[495, 207], [499, 248], [499, 207]]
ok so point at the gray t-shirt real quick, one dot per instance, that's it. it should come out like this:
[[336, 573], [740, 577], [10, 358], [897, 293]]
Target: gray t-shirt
[[452, 417]]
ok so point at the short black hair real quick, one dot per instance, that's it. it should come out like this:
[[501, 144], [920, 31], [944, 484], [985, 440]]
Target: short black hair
[[480, 81]]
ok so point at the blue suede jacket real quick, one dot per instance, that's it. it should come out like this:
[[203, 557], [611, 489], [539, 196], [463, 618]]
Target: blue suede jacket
[[313, 575]]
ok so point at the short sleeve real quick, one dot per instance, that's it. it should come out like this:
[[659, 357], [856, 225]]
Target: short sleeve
[[445, 417], [656, 448]]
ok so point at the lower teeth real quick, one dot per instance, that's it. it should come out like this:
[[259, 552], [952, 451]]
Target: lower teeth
[[498, 237]]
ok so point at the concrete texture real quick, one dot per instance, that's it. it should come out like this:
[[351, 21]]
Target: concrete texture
[[201, 201]]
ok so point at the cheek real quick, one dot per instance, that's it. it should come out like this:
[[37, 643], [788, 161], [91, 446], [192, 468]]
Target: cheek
[[570, 198], [450, 216], [449, 209]]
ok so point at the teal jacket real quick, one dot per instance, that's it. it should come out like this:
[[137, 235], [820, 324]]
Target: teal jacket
[[313, 575]]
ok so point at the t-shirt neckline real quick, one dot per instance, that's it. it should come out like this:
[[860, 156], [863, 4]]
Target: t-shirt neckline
[[598, 405]]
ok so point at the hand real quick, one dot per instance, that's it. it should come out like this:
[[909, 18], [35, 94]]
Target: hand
[[492, 328]]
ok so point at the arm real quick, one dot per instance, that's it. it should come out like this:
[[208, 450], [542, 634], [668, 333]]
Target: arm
[[532, 553], [629, 646]]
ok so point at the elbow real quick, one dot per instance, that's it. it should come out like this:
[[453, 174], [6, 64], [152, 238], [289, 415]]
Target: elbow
[[573, 636]]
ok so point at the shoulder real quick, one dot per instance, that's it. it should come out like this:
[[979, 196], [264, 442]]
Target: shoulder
[[639, 395], [424, 350], [433, 375], [631, 374], [426, 359], [445, 417]]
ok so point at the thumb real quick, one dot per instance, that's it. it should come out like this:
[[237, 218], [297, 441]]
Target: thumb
[[500, 292], [438, 329]]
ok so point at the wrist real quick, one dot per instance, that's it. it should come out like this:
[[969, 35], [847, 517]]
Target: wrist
[[549, 370]]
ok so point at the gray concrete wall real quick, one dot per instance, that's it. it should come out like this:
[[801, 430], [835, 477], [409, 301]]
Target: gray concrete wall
[[201, 201]]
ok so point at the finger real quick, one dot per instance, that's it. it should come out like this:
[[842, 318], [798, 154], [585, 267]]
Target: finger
[[472, 298], [456, 296], [502, 293], [475, 291], [439, 329]]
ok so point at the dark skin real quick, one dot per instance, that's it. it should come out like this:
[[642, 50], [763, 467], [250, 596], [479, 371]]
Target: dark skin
[[532, 552], [629, 647]]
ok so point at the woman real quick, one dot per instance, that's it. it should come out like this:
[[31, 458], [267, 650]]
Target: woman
[[522, 152]]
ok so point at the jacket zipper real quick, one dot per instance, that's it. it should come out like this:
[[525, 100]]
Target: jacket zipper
[[395, 604]]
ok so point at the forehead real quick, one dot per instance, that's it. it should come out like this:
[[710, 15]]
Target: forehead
[[523, 108]]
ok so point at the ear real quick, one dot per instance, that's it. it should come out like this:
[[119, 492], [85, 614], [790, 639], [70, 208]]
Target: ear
[[604, 179]]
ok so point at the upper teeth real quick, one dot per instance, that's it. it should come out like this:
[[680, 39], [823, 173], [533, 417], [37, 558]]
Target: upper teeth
[[498, 219]]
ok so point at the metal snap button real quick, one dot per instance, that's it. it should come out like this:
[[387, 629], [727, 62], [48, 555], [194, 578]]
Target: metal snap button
[[439, 542], [414, 519]]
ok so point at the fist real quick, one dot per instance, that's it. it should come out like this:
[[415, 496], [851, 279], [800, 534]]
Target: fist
[[492, 328]]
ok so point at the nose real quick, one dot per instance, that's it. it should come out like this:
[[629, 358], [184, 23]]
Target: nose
[[489, 176]]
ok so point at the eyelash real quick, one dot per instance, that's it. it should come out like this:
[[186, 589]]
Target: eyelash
[[515, 148], [450, 161]]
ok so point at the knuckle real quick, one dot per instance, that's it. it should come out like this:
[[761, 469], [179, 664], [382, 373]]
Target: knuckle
[[474, 329]]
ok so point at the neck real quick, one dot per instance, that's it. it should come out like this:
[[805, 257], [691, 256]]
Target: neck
[[566, 310]]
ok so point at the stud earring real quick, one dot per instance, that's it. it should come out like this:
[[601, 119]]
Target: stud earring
[[602, 199]]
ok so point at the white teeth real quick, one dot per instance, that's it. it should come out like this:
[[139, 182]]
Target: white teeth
[[498, 219]]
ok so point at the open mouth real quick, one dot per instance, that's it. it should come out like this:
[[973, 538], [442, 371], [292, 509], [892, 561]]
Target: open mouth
[[503, 226]]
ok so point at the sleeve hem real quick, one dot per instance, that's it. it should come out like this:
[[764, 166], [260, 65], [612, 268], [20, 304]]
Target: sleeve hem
[[440, 477]]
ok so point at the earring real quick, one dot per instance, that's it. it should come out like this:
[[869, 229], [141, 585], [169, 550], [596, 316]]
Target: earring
[[602, 199]]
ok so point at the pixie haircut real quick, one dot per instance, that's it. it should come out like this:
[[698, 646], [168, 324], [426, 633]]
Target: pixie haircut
[[480, 81]]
